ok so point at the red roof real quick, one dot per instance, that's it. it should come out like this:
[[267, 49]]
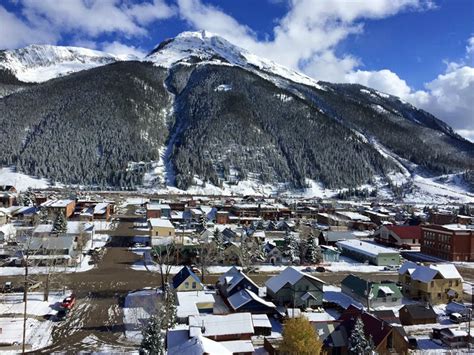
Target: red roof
[[406, 232]]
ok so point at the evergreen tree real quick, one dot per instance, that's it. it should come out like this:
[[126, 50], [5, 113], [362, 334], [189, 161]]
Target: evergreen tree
[[219, 242], [60, 223], [313, 252], [358, 342], [292, 248], [43, 216], [153, 341], [169, 317]]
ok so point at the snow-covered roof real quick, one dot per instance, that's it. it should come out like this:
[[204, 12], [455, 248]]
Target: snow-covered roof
[[199, 345], [187, 302], [238, 346], [365, 248], [354, 216], [386, 290], [289, 275], [230, 324], [427, 273], [458, 227], [261, 321], [57, 203], [160, 223], [243, 297], [318, 316], [157, 206], [100, 208]]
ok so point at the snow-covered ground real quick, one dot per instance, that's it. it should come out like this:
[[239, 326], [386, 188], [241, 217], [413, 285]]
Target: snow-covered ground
[[21, 181], [41, 270], [38, 333], [12, 303]]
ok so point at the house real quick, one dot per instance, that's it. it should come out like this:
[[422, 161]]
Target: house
[[235, 326], [371, 294], [368, 252], [248, 301], [54, 207], [453, 242], [274, 254], [404, 237], [52, 251], [436, 283], [330, 253], [8, 195], [160, 228], [412, 314], [386, 338], [234, 280], [186, 280], [453, 338], [296, 288], [154, 210]]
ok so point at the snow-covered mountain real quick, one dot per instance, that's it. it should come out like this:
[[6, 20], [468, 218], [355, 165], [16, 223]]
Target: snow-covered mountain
[[39, 63], [209, 48], [201, 114]]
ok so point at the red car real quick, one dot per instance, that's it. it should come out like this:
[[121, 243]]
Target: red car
[[69, 302]]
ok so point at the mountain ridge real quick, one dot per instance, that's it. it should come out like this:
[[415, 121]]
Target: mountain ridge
[[291, 130]]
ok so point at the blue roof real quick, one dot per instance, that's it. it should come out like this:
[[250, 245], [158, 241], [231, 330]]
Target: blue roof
[[182, 275]]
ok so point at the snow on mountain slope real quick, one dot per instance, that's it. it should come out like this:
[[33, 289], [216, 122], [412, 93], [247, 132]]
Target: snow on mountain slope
[[39, 63], [213, 49]]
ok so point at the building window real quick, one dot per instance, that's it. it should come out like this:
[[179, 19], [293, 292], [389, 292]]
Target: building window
[[457, 283], [194, 285], [432, 283], [186, 284], [450, 283], [439, 295]]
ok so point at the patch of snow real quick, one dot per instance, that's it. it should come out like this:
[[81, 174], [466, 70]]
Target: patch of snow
[[223, 87], [21, 181]]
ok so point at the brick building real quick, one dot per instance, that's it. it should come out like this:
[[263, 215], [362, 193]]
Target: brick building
[[453, 242]]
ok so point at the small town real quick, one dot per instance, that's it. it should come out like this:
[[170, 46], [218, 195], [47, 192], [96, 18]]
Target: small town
[[109, 272]]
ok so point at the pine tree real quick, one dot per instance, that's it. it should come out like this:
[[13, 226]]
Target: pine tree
[[169, 317], [292, 248], [299, 337], [153, 341], [219, 242], [60, 223], [313, 253], [43, 216], [358, 342]]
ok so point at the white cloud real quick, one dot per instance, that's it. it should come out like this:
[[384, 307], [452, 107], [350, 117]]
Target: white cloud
[[148, 12], [91, 17], [15, 33], [122, 50]]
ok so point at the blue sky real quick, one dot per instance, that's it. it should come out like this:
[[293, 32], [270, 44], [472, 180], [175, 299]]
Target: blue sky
[[420, 50]]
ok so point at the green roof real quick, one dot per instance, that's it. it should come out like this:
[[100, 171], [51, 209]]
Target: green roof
[[377, 289]]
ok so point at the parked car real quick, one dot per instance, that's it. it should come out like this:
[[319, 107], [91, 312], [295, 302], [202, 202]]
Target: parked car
[[309, 269], [391, 268], [69, 302], [321, 269]]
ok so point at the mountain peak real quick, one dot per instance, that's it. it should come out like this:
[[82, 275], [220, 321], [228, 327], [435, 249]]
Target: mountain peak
[[206, 47]]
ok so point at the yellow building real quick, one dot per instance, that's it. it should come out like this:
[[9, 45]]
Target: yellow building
[[435, 283], [186, 280], [160, 227]]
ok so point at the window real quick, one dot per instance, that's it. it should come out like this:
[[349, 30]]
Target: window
[[432, 283], [186, 284], [457, 283], [439, 295], [394, 299], [194, 284], [450, 283]]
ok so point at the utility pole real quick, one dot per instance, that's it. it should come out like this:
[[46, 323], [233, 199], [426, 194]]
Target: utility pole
[[25, 300]]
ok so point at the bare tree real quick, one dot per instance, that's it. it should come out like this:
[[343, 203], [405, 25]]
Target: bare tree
[[164, 257]]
